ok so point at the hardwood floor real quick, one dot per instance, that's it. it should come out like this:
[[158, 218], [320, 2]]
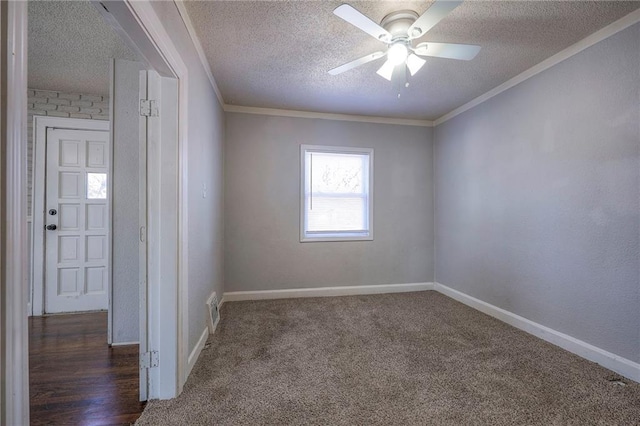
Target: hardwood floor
[[75, 378]]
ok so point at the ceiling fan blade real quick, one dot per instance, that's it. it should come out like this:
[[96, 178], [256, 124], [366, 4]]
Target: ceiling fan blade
[[386, 70], [360, 61], [465, 52], [438, 10], [414, 63], [357, 19]]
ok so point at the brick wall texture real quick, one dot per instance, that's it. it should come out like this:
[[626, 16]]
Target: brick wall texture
[[60, 104]]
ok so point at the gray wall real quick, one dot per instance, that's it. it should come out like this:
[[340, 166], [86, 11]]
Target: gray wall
[[205, 134], [537, 197], [262, 206], [125, 199]]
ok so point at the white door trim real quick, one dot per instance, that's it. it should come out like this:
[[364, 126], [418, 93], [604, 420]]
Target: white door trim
[[14, 347], [168, 294], [178, 287], [143, 310], [40, 125]]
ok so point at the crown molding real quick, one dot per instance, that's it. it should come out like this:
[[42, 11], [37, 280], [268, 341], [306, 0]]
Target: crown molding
[[598, 36], [327, 116], [182, 10]]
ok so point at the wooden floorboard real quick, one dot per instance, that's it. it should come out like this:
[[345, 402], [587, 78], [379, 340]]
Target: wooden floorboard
[[75, 378]]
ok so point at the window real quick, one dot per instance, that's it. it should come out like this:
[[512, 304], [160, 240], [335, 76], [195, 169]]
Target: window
[[97, 186], [336, 193]]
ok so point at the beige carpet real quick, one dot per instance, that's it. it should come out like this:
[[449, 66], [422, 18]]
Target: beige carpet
[[405, 359]]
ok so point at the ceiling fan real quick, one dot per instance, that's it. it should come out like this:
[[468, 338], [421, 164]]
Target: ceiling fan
[[398, 30]]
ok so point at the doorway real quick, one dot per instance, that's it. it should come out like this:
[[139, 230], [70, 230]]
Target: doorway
[[139, 23], [85, 217]]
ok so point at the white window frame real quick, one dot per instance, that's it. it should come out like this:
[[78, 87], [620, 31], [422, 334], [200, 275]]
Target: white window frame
[[334, 236]]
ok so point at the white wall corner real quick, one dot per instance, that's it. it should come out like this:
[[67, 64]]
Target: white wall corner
[[598, 36], [236, 296], [182, 10], [583, 349]]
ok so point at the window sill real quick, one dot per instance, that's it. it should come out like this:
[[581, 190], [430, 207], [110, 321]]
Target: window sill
[[335, 238]]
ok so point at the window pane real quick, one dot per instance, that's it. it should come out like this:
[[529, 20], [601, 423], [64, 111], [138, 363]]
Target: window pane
[[337, 173], [336, 192], [337, 214], [97, 186]]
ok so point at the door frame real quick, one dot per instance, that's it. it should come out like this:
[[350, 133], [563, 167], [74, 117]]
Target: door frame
[[144, 28], [38, 202], [168, 294], [14, 337]]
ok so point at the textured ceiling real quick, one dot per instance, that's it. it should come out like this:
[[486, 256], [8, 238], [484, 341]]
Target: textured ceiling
[[276, 54], [70, 47]]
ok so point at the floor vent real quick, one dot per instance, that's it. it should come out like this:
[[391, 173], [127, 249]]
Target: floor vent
[[214, 314]]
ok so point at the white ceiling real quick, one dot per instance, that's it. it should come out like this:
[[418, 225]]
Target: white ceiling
[[70, 47], [276, 54]]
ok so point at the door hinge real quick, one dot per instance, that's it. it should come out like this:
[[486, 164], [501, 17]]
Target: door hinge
[[148, 108], [143, 234], [149, 359]]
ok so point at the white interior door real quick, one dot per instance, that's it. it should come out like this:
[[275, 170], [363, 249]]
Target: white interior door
[[77, 221]]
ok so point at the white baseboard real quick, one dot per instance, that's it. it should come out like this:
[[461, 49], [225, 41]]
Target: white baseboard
[[195, 353], [125, 343], [585, 350], [235, 296]]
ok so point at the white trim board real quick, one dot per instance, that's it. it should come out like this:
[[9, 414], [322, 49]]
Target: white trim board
[[598, 36], [583, 349], [195, 353], [327, 116], [14, 336], [236, 296]]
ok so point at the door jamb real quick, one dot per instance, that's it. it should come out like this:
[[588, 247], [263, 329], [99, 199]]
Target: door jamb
[[141, 22], [40, 125], [14, 346]]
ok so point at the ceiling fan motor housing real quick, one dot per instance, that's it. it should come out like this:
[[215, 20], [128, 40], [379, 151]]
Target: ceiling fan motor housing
[[398, 23]]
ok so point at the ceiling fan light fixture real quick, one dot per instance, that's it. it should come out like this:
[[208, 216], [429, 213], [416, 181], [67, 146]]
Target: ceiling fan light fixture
[[414, 63], [386, 70], [398, 53]]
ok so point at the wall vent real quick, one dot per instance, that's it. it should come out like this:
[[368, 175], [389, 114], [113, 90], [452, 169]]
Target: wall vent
[[214, 314]]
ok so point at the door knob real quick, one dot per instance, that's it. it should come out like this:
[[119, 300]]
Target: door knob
[[51, 227]]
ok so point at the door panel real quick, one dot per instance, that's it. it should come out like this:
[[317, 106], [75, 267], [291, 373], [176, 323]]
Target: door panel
[[77, 236]]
